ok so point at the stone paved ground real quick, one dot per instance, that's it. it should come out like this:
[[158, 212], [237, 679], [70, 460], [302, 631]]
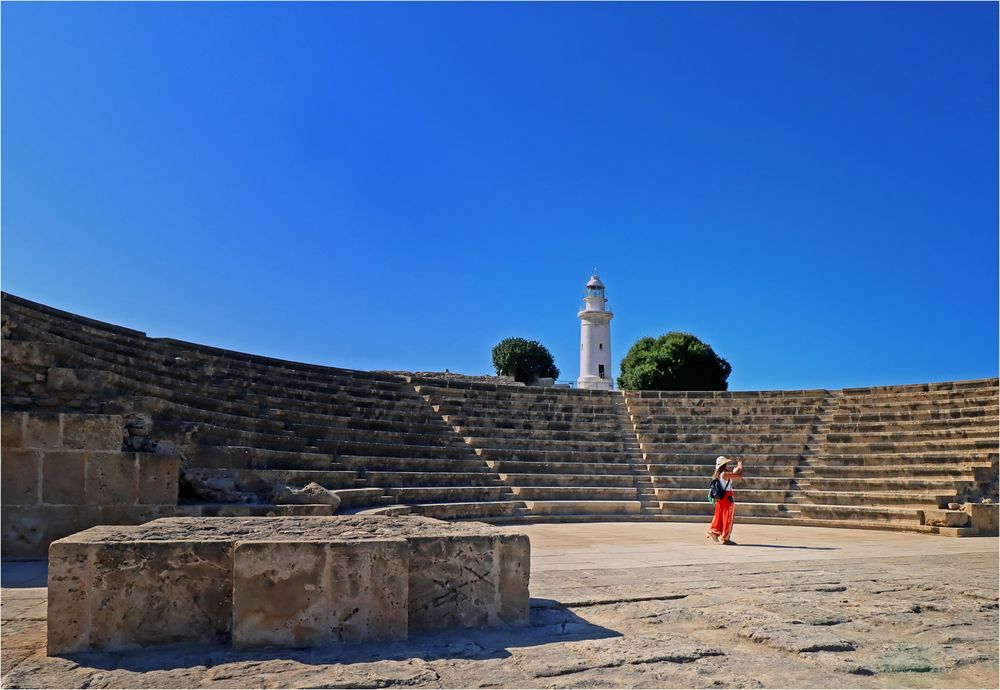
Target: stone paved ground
[[630, 605]]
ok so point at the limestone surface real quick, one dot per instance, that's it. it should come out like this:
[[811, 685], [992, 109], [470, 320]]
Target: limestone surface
[[292, 582], [644, 606]]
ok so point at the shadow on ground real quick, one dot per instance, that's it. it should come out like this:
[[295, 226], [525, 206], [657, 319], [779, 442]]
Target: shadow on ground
[[550, 622], [789, 546]]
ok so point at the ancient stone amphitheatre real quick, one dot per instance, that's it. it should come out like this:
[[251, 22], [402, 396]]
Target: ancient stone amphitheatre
[[217, 519]]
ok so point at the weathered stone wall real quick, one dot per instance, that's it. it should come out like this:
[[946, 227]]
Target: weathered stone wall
[[63, 473]]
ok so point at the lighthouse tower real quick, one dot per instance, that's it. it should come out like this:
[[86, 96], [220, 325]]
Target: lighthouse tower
[[595, 338]]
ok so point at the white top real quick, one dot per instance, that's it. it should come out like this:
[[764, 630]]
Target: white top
[[727, 484]]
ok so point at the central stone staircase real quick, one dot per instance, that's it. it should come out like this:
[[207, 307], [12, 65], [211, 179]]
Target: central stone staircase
[[562, 452]]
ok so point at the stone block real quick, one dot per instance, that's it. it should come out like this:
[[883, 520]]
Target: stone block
[[463, 581], [41, 431], [27, 531], [69, 578], [513, 559], [946, 518], [157, 478], [63, 477], [305, 594], [93, 431], [984, 518], [12, 430], [111, 479], [19, 477], [291, 581], [138, 593]]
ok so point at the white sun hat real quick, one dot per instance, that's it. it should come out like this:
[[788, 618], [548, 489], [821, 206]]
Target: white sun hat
[[720, 461]]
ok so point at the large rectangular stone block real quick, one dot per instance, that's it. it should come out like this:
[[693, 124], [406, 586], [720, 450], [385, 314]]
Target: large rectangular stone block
[[92, 431], [42, 431], [27, 531], [20, 477], [158, 478], [984, 518], [112, 479], [119, 594], [63, 477], [290, 582], [468, 581], [307, 593], [11, 430]]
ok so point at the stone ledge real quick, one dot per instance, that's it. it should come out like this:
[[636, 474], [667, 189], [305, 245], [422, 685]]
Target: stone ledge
[[286, 582]]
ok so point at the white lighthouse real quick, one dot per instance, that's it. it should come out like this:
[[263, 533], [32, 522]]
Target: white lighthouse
[[595, 338]]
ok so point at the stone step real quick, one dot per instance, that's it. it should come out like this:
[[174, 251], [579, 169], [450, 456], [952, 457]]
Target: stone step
[[532, 443], [905, 459], [972, 444], [432, 478], [575, 493], [889, 416], [727, 449], [372, 463], [480, 425], [900, 499], [768, 425], [470, 510], [513, 395], [448, 494], [961, 471], [949, 423], [506, 437], [569, 480], [583, 507], [911, 436], [546, 467], [743, 495], [705, 507], [897, 406], [754, 410], [701, 482], [351, 498], [722, 436], [551, 455], [818, 394], [861, 513], [875, 484], [703, 470], [523, 409]]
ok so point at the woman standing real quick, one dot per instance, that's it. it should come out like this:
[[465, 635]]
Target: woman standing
[[725, 507]]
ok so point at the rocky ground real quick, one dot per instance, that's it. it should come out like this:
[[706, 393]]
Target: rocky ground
[[912, 620]]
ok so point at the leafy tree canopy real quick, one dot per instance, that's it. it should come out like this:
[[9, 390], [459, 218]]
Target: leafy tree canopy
[[525, 360], [673, 362]]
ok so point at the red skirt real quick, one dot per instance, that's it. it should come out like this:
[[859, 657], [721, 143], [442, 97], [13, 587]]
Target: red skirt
[[722, 521]]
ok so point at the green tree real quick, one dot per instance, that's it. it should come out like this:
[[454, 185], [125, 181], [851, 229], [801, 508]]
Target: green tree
[[525, 360], [673, 362]]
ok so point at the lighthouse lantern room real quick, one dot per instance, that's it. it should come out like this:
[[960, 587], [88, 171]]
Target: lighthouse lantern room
[[595, 338]]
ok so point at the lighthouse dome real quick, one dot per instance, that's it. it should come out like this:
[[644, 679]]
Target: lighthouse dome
[[594, 282]]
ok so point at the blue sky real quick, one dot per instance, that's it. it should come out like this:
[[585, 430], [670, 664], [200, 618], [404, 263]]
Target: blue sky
[[810, 188]]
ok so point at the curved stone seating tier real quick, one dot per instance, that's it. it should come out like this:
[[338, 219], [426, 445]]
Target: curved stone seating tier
[[281, 582], [395, 444]]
